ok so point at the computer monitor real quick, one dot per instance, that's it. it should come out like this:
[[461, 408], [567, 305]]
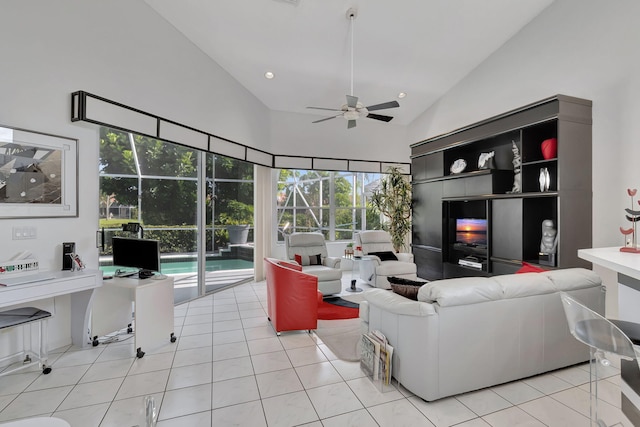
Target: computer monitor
[[143, 254]]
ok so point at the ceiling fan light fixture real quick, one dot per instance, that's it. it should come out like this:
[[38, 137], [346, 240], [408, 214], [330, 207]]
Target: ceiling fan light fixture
[[402, 95], [353, 110], [269, 75]]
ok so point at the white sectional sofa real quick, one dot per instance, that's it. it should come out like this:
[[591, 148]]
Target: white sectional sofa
[[475, 332]]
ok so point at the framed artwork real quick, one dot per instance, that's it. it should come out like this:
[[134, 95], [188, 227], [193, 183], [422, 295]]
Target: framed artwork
[[38, 174]]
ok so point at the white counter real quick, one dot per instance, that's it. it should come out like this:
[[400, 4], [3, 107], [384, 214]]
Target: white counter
[[627, 265]]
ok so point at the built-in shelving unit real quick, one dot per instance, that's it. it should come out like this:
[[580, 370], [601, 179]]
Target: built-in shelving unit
[[512, 219]]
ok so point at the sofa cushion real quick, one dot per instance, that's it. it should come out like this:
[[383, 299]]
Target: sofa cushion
[[323, 273], [567, 279], [395, 268], [524, 285], [465, 290], [385, 255]]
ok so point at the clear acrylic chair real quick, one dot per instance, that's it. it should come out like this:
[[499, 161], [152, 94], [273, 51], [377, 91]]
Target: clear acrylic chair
[[602, 336]]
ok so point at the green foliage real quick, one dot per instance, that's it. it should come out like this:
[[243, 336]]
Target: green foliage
[[393, 200], [237, 213]]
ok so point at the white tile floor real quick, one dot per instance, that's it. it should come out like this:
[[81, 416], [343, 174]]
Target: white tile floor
[[229, 368]]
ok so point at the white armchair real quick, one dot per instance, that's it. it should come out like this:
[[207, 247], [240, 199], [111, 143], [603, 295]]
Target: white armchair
[[382, 261], [307, 246]]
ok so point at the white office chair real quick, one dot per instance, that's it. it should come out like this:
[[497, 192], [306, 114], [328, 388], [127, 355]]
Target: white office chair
[[602, 336]]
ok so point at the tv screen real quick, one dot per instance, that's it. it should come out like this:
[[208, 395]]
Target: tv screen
[[143, 254], [471, 231]]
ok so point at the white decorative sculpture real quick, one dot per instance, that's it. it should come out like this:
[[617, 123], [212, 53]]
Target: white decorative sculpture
[[517, 163], [549, 241]]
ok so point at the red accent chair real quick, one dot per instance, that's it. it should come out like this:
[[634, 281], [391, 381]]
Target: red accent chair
[[292, 296]]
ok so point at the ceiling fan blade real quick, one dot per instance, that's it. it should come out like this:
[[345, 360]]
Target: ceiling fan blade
[[352, 101], [322, 108], [379, 117], [383, 106], [326, 118], [351, 124]]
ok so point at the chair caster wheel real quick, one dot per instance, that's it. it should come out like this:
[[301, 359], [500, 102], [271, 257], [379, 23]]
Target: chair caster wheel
[[139, 353], [173, 337], [129, 330], [46, 370], [278, 333], [269, 319], [95, 341]]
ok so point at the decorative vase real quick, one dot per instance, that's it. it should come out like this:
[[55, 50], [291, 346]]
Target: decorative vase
[[544, 179], [549, 148]]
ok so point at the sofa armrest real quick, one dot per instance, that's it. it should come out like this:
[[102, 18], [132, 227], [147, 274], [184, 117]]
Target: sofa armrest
[[332, 261], [404, 256], [397, 304], [375, 258]]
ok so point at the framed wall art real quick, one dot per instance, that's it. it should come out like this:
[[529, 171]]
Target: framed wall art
[[38, 174]]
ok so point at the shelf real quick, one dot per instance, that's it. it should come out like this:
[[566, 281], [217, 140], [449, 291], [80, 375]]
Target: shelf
[[502, 196], [514, 219], [540, 162]]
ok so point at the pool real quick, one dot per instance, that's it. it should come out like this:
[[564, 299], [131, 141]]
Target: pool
[[177, 267]]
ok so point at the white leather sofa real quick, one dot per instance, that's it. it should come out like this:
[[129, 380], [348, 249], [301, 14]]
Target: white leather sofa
[[469, 333], [375, 270], [328, 273]]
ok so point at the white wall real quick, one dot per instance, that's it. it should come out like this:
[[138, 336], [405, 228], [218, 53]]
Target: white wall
[[294, 134], [577, 48], [121, 50]]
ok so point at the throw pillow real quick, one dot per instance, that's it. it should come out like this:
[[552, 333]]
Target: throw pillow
[[305, 260], [529, 268], [405, 287], [407, 291], [385, 256]]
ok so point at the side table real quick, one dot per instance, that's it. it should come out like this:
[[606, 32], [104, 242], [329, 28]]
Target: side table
[[355, 262]]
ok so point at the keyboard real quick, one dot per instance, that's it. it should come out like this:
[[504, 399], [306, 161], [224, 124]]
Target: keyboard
[[27, 278]]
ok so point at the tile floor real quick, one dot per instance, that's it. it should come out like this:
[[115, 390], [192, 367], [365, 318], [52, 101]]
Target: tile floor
[[228, 368]]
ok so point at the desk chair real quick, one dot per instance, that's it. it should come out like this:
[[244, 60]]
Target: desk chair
[[602, 336]]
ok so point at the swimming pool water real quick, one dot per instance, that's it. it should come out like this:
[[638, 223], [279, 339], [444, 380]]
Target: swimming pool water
[[177, 267]]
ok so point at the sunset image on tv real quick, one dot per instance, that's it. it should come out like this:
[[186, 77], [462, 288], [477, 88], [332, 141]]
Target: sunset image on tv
[[471, 231]]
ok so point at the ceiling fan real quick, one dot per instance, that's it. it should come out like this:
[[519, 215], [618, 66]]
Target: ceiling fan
[[353, 110]]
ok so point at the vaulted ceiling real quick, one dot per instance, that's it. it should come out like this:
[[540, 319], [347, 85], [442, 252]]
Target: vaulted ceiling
[[419, 47]]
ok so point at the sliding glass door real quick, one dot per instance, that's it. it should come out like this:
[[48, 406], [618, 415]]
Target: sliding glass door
[[174, 192]]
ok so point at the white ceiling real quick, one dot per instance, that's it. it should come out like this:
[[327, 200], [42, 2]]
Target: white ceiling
[[421, 47]]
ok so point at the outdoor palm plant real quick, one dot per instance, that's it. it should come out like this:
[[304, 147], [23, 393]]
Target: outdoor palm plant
[[393, 200]]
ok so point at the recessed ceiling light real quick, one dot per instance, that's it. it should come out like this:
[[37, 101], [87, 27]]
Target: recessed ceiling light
[[402, 95], [269, 75]]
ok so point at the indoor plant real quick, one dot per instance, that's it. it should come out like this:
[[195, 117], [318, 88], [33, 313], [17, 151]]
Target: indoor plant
[[392, 199]]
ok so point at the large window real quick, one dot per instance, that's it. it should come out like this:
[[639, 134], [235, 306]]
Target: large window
[[333, 203], [156, 184]]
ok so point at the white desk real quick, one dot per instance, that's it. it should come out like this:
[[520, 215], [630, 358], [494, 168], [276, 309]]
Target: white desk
[[627, 265], [152, 300], [80, 285]]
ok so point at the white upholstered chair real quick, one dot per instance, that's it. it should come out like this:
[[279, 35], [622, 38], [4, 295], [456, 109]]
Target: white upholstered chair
[[376, 245], [328, 271]]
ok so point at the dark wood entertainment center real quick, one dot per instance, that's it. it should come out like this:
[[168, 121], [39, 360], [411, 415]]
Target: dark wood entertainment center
[[513, 220]]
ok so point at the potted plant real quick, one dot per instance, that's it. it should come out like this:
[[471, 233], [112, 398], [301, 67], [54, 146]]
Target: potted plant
[[238, 219], [392, 199]]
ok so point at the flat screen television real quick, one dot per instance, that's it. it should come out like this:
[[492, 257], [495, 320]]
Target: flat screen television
[[143, 254], [471, 231]]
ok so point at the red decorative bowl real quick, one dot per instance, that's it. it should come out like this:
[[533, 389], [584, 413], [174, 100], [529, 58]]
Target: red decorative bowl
[[549, 148]]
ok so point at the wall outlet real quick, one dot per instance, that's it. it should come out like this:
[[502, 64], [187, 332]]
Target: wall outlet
[[21, 233]]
